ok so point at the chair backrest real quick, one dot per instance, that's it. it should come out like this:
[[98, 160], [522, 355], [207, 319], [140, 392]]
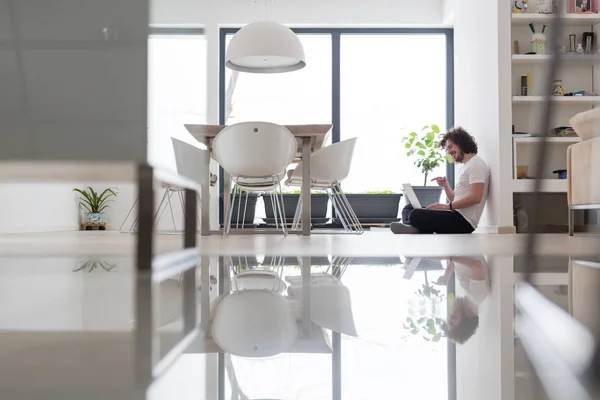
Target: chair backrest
[[191, 161], [255, 149], [331, 163]]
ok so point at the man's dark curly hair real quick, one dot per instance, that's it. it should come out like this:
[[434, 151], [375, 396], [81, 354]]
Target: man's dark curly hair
[[460, 137]]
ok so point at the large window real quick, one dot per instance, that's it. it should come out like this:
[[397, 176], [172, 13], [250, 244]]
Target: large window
[[373, 84], [390, 85], [299, 97], [176, 89]]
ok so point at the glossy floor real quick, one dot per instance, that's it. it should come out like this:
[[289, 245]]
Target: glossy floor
[[66, 326]]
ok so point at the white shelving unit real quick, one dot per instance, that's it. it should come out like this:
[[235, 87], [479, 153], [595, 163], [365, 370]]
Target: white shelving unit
[[578, 72], [565, 99], [546, 58], [569, 19], [548, 185]]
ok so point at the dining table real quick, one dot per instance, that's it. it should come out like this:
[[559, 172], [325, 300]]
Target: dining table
[[310, 137]]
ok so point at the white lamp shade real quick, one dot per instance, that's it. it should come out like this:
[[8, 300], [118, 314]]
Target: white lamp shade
[[265, 47], [254, 323]]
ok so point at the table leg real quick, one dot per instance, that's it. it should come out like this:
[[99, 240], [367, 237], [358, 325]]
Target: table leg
[[226, 196], [205, 295], [306, 296], [306, 187], [205, 198], [336, 366]]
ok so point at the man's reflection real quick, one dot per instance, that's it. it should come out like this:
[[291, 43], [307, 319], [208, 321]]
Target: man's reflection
[[472, 276]]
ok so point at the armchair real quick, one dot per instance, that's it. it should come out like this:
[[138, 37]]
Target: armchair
[[583, 165]]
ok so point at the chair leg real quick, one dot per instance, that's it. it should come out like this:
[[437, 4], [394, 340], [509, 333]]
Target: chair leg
[[281, 208], [237, 220], [128, 214], [351, 213], [297, 215], [160, 211], [245, 208], [571, 221], [274, 207], [228, 216], [171, 209], [346, 212], [338, 210]]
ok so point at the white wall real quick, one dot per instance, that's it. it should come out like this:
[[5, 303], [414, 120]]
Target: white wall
[[483, 95], [313, 12]]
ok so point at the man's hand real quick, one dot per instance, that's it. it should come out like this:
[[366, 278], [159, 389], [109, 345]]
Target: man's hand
[[441, 181], [438, 206]]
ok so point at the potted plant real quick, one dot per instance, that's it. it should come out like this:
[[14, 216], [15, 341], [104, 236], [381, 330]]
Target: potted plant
[[425, 147], [94, 204], [318, 206], [378, 206], [425, 319]]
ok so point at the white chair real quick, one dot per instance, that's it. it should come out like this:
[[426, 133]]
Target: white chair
[[255, 155], [255, 320], [329, 166], [330, 300], [190, 162]]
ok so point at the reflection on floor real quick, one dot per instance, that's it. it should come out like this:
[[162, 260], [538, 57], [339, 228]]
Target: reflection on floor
[[411, 326]]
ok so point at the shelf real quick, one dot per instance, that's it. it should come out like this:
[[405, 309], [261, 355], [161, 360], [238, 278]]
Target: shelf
[[542, 59], [533, 139], [557, 99], [548, 185], [568, 19]]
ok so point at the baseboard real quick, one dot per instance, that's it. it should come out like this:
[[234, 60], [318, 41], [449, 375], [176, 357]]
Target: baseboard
[[40, 229], [507, 229], [495, 229]]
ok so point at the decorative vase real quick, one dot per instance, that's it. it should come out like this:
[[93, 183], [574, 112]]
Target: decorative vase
[[94, 218], [557, 88]]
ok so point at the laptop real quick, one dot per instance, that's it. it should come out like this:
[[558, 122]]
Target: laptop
[[411, 195]]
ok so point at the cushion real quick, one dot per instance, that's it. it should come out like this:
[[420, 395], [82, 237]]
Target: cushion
[[587, 124]]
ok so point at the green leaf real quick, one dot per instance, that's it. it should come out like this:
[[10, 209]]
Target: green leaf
[[421, 153], [420, 145], [85, 206], [414, 331], [407, 145], [437, 337], [435, 128], [426, 339], [413, 134]]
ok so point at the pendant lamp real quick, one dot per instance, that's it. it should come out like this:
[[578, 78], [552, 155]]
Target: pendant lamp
[[265, 47]]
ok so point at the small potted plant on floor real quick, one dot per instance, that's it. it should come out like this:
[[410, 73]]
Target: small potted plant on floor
[[94, 204], [425, 147], [376, 206], [318, 206]]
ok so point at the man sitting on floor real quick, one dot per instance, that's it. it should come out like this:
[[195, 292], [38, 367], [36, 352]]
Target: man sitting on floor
[[462, 213]]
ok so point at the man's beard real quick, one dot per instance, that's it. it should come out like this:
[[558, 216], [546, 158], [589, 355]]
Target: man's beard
[[460, 156]]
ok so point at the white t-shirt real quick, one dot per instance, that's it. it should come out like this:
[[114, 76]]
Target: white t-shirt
[[473, 171]]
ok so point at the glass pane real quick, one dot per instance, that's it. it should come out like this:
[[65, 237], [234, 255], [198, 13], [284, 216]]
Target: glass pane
[[299, 97], [390, 85], [176, 92]]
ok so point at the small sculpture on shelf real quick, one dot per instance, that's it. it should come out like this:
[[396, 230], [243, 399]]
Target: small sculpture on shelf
[[557, 88]]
